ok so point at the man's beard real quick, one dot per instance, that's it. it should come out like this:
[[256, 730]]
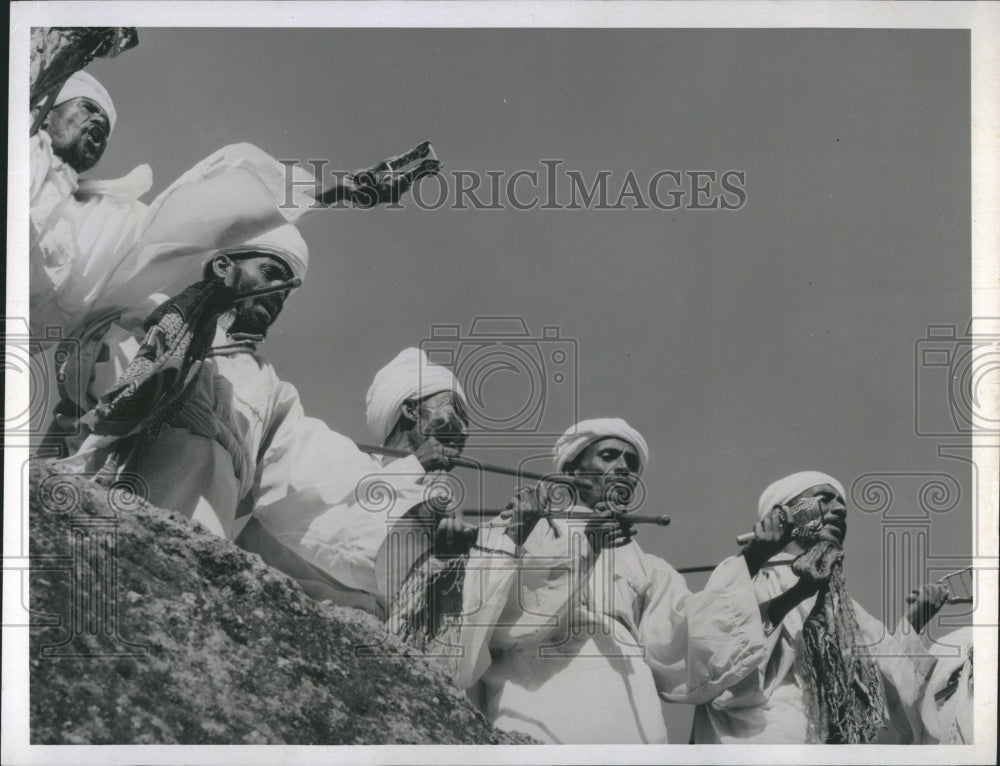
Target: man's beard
[[83, 151], [251, 320], [616, 490]]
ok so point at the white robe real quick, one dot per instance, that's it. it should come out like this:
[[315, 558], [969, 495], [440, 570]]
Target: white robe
[[80, 231], [118, 260], [358, 525], [243, 459], [94, 245], [767, 705], [946, 699], [575, 648]]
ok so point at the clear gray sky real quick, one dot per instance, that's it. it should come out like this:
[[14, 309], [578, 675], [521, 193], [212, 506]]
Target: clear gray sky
[[744, 344]]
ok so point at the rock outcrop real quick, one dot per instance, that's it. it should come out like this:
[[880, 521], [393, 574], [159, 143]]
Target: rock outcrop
[[148, 629]]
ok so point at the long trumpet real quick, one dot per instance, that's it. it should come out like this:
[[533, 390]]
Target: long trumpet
[[476, 465], [291, 284], [631, 518]]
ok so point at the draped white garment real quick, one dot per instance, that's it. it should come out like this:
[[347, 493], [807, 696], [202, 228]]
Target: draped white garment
[[946, 698], [244, 460], [767, 705], [570, 647], [94, 245], [80, 231]]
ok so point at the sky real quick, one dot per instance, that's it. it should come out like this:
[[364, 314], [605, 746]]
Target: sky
[[744, 344]]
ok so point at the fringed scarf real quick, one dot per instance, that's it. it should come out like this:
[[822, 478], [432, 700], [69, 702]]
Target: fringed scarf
[[428, 606], [152, 388], [844, 697]]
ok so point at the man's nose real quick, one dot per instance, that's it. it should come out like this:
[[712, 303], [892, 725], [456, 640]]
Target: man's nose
[[621, 467], [836, 505], [444, 421]]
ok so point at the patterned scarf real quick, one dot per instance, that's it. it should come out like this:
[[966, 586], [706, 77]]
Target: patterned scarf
[[845, 699], [152, 389], [428, 606]]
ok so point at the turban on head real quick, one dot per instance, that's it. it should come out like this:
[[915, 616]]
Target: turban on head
[[409, 376], [82, 85], [586, 432], [783, 490], [284, 243]]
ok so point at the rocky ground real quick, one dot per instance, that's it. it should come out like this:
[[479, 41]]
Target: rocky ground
[[204, 644]]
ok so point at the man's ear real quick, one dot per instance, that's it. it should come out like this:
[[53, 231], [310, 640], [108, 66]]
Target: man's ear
[[220, 266], [408, 410]]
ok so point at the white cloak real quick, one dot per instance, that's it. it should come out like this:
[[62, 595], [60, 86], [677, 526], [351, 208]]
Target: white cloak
[[570, 647], [767, 705]]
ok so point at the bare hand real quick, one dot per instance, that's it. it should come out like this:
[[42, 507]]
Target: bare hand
[[433, 455], [771, 534], [523, 512], [453, 537], [925, 602], [607, 528], [388, 181]]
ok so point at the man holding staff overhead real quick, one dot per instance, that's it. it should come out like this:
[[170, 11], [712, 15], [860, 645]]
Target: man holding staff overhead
[[570, 632]]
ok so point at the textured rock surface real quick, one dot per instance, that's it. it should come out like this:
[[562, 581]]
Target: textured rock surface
[[230, 650]]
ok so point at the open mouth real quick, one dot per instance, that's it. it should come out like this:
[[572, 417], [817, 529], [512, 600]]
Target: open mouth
[[97, 134]]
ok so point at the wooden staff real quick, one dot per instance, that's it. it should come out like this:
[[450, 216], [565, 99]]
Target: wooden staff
[[43, 112]]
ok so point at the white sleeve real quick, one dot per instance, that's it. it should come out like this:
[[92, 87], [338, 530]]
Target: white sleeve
[[700, 644]]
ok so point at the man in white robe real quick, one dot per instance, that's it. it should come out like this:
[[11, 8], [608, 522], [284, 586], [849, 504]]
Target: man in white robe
[[241, 435], [79, 228], [572, 634], [342, 525], [241, 442], [94, 246], [767, 705]]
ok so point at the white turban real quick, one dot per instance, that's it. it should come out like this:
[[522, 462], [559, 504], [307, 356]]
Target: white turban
[[783, 490], [284, 243], [82, 85], [409, 376], [586, 432]]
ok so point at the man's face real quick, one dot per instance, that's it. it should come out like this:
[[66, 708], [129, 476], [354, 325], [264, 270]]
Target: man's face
[[79, 129], [828, 496], [442, 416], [250, 272], [604, 463]]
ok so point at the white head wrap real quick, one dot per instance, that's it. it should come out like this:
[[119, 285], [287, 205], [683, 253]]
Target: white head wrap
[[284, 243], [586, 432], [409, 376], [783, 490], [82, 85]]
